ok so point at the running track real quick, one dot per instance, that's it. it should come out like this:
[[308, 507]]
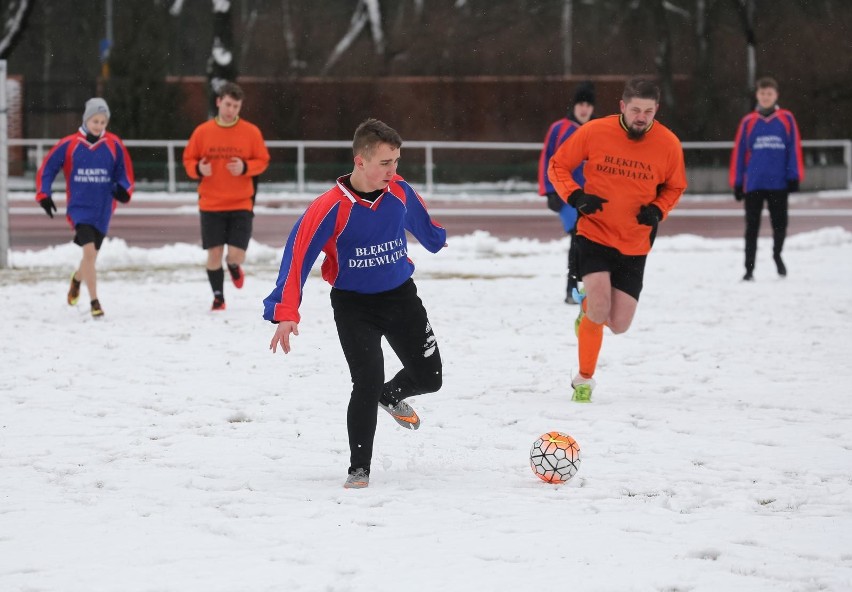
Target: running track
[[154, 224]]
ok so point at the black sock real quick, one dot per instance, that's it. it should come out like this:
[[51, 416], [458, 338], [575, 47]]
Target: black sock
[[234, 270], [217, 281]]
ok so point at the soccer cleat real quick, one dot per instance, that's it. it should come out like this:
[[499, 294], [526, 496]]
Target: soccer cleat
[[583, 388], [779, 264], [579, 296], [403, 414], [74, 290], [748, 277], [97, 311], [359, 479], [237, 275], [218, 303]]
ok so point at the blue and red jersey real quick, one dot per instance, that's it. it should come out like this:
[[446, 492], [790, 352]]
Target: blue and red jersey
[[559, 132], [767, 152], [364, 244], [92, 172]]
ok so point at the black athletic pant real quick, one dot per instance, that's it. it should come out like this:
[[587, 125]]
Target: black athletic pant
[[362, 320], [777, 204]]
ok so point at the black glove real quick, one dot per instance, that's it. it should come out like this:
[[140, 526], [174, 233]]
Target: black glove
[[120, 194], [48, 205], [739, 194], [586, 203], [554, 202], [649, 215], [792, 186]]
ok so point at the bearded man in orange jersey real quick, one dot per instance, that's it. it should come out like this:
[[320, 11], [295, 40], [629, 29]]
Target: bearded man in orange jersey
[[227, 154], [635, 175]]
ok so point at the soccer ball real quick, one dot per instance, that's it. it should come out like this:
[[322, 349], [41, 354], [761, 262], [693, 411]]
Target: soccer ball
[[555, 457]]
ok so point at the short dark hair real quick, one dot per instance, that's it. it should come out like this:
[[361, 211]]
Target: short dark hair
[[230, 89], [641, 88], [767, 82], [370, 134]]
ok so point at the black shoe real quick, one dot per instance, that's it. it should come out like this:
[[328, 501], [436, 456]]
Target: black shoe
[[748, 277], [97, 311], [779, 263]]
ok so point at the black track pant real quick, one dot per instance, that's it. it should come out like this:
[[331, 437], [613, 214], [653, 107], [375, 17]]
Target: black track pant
[[777, 203], [362, 320]]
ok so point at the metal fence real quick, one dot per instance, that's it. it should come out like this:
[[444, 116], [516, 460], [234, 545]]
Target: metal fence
[[501, 166]]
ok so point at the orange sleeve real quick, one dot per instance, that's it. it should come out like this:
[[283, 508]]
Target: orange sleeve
[[669, 192], [192, 156], [258, 159]]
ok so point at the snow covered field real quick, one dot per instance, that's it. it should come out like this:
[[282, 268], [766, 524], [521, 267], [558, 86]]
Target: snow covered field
[[164, 448]]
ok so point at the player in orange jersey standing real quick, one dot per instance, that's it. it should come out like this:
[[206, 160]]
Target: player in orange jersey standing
[[635, 175], [227, 154]]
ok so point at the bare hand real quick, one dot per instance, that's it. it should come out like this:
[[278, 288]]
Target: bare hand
[[235, 166], [282, 336], [205, 168]]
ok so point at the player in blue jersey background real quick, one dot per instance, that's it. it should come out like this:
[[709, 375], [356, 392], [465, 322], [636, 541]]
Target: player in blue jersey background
[[360, 226], [766, 166], [98, 173], [579, 112]]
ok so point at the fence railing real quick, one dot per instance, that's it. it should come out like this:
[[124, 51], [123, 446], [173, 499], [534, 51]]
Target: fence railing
[[828, 162]]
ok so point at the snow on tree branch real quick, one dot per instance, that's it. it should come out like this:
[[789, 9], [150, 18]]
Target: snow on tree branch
[[14, 25], [176, 8], [365, 10]]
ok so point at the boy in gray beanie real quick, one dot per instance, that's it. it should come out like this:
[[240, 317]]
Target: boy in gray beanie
[[93, 107], [98, 173]]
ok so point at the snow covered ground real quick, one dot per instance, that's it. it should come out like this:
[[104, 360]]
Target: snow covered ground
[[165, 448]]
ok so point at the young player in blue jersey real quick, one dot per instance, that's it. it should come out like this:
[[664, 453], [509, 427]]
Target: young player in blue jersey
[[360, 225], [98, 173], [766, 165], [581, 110]]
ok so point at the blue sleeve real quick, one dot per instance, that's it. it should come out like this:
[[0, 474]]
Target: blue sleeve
[[551, 143], [738, 156], [795, 162], [53, 163], [123, 173], [420, 224], [307, 238]]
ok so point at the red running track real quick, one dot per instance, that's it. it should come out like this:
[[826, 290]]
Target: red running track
[[147, 224]]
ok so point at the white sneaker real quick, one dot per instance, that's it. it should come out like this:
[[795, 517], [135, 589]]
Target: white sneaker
[[583, 388]]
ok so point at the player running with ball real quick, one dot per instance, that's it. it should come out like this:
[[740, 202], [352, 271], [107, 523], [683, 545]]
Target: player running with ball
[[635, 175]]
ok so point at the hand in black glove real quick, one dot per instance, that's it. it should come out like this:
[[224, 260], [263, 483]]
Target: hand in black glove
[[554, 202], [120, 194], [649, 215], [586, 203], [48, 205], [739, 194], [792, 186]]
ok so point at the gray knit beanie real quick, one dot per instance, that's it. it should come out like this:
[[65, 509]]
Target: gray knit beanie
[[93, 107]]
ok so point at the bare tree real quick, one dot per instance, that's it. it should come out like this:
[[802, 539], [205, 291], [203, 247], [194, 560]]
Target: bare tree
[[293, 61], [567, 38], [703, 71], [221, 66], [746, 11], [14, 23]]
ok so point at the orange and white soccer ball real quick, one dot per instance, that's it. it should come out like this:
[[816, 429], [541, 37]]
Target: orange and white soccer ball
[[555, 457]]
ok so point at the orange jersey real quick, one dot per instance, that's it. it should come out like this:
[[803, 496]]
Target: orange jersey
[[222, 191], [628, 173]]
